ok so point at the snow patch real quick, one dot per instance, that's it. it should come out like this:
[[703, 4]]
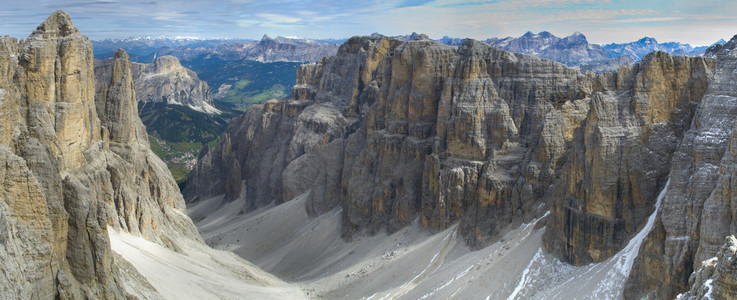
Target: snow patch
[[618, 274], [708, 285], [525, 280]]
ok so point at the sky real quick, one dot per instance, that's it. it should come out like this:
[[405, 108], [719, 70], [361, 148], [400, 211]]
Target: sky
[[700, 22]]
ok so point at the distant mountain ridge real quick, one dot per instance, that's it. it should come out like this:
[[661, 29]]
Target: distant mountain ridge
[[142, 49], [285, 49], [644, 46], [575, 50], [146, 49]]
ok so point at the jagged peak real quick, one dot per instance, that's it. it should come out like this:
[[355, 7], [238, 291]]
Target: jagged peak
[[577, 38], [266, 37], [121, 54], [165, 63], [58, 23], [418, 36], [647, 40]]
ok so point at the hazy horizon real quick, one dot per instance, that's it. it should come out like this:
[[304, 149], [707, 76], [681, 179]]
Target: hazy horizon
[[602, 22]]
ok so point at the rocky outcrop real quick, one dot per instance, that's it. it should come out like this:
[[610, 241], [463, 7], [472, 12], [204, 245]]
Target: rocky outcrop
[[393, 131], [77, 162], [716, 278], [698, 208], [164, 80], [621, 156]]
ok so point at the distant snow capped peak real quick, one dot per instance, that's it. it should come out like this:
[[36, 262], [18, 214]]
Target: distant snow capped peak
[[640, 48], [529, 34], [647, 40]]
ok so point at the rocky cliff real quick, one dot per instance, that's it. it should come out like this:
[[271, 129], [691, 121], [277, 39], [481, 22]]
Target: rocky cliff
[[621, 155], [699, 206], [77, 162], [164, 80], [715, 278], [394, 132]]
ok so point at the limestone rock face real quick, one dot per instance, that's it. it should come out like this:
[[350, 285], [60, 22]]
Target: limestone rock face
[[164, 80], [716, 278], [77, 161], [393, 131], [699, 207], [621, 156]]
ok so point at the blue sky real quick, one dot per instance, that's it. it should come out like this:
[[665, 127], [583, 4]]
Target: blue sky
[[696, 22]]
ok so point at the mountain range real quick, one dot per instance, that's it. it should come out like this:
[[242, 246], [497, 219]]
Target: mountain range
[[266, 50], [396, 169], [576, 51], [646, 45], [606, 179]]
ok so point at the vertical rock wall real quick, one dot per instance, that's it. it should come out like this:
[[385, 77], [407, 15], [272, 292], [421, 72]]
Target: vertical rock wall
[[77, 161], [394, 131], [699, 208]]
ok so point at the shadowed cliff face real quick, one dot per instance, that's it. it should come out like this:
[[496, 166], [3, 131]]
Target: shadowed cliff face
[[77, 161], [395, 132]]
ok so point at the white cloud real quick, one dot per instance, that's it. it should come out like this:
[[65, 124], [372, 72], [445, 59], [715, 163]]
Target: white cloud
[[276, 18]]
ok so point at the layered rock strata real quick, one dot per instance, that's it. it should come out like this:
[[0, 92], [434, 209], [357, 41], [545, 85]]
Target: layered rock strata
[[621, 156], [699, 208], [77, 162], [398, 131]]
